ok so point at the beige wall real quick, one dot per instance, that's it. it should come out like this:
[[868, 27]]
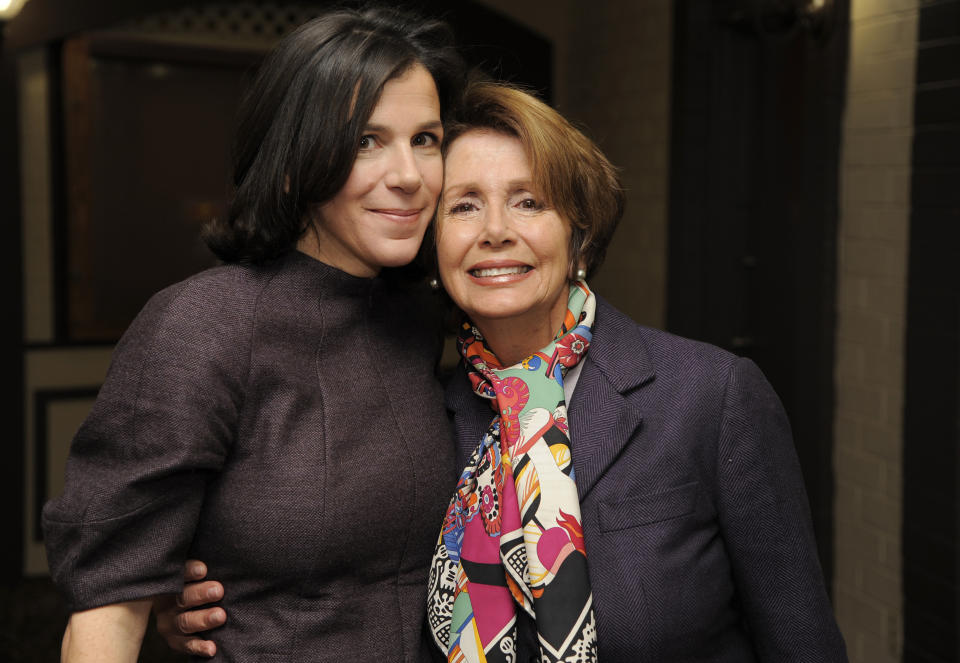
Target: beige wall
[[612, 77], [871, 302]]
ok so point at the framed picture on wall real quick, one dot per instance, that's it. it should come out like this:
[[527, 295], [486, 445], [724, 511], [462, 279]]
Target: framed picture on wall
[[146, 141]]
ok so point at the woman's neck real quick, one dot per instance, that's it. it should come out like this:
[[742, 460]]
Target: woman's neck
[[310, 244], [513, 340]]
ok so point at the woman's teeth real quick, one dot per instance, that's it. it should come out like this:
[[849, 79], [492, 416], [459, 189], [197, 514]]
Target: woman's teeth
[[500, 271]]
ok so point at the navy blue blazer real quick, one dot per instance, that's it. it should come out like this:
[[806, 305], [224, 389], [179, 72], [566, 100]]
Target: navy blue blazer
[[696, 522]]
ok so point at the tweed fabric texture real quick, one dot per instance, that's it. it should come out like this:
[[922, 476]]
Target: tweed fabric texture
[[283, 424], [697, 528]]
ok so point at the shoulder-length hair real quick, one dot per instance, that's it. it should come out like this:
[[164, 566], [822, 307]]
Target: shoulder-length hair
[[568, 168], [301, 121]]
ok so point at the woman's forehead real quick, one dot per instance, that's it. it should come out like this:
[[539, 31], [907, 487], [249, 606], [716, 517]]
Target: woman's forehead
[[487, 148]]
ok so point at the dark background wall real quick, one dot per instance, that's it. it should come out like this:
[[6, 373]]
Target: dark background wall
[[931, 563], [757, 117]]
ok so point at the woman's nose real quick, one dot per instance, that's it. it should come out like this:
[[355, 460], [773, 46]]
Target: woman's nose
[[404, 171], [496, 227]]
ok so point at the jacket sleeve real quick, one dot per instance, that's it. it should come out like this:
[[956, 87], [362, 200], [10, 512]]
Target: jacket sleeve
[[765, 520], [163, 422]]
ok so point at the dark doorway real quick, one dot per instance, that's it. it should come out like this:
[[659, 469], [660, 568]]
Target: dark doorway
[[931, 427], [757, 118]]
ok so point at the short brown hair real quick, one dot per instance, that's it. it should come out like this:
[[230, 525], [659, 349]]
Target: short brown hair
[[569, 169]]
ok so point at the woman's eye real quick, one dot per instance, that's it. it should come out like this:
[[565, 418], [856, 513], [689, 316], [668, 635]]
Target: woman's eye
[[425, 139], [368, 142], [529, 204], [461, 208]]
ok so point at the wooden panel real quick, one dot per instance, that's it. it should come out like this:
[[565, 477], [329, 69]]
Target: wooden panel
[[147, 139]]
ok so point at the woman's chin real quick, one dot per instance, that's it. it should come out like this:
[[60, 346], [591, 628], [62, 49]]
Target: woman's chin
[[399, 258]]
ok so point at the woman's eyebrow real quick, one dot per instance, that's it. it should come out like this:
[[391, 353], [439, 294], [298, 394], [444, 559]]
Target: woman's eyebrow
[[517, 185], [513, 186], [433, 125], [459, 188]]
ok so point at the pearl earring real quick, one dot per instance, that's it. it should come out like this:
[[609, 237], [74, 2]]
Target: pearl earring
[[434, 284], [581, 274]]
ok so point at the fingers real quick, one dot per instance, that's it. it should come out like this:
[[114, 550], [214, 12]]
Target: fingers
[[195, 646], [197, 594], [176, 625], [199, 647], [193, 570], [195, 621]]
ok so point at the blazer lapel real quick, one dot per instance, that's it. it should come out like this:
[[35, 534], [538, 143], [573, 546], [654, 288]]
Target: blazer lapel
[[602, 420], [601, 424]]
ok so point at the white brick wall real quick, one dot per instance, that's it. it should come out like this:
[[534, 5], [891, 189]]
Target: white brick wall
[[871, 303]]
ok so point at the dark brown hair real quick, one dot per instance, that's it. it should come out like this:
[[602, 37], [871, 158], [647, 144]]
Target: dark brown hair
[[569, 169], [301, 121]]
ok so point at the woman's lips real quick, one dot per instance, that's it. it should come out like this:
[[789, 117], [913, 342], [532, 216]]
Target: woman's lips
[[399, 214], [499, 273]]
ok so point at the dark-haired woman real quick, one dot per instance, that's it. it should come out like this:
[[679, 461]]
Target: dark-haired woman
[[278, 416]]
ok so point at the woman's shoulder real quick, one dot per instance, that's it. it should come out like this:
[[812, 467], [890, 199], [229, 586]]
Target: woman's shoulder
[[212, 309], [682, 371], [216, 287], [665, 352]]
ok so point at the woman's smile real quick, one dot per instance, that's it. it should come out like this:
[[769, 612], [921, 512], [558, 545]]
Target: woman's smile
[[401, 217], [498, 272]]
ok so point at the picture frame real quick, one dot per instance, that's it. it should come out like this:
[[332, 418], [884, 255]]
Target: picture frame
[[146, 138]]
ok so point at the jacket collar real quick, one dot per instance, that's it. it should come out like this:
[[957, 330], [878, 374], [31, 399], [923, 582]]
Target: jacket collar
[[601, 419], [618, 350]]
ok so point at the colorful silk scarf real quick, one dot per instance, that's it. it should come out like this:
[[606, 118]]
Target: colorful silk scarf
[[512, 534]]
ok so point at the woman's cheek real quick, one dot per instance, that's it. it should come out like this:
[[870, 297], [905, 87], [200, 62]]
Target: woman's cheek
[[434, 176]]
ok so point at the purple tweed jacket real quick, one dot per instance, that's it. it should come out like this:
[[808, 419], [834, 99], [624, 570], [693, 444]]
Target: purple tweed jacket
[[696, 522]]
